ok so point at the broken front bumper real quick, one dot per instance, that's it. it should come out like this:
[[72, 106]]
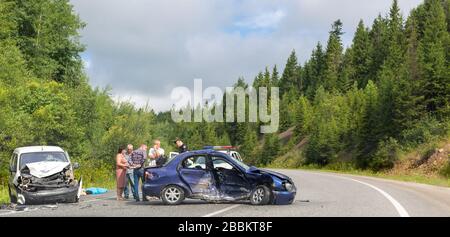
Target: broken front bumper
[[58, 195], [283, 197]]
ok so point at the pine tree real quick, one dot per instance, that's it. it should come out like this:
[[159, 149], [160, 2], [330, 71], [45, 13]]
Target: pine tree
[[379, 46], [271, 148], [303, 117], [248, 146], [313, 71], [266, 78], [289, 79], [333, 58], [360, 59], [274, 80], [433, 60], [396, 38], [372, 125], [258, 81], [400, 104], [346, 77]]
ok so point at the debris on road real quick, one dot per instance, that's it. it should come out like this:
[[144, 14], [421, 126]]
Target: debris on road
[[21, 208], [95, 191], [87, 206], [53, 207]]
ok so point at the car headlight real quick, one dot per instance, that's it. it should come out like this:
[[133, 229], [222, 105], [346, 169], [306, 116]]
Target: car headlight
[[68, 173], [288, 186]]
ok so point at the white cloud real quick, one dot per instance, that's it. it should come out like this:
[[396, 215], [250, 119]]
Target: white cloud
[[146, 48], [264, 20]]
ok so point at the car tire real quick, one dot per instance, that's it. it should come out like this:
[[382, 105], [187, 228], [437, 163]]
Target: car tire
[[73, 200], [12, 198], [172, 195], [261, 195]]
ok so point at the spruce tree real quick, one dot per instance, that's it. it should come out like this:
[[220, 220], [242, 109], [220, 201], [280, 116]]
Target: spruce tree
[[333, 57], [434, 62], [346, 77], [274, 80], [360, 59], [379, 46], [289, 79], [313, 71]]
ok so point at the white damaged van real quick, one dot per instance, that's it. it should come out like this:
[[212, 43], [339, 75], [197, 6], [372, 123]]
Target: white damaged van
[[42, 174]]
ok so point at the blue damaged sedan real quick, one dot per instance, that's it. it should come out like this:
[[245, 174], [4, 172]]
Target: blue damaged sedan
[[215, 177]]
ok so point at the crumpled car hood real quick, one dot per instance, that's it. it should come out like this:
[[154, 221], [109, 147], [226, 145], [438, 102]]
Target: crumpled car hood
[[46, 168], [276, 174]]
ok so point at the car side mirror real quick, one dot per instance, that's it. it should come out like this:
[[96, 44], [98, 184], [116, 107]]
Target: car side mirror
[[11, 169], [198, 167], [75, 165]]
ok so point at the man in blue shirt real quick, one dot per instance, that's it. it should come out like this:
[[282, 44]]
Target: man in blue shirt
[[129, 184], [138, 158]]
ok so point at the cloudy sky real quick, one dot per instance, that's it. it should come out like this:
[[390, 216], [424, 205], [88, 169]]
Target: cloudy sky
[[144, 49]]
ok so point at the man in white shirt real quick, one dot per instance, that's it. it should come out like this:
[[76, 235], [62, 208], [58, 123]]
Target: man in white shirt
[[155, 152]]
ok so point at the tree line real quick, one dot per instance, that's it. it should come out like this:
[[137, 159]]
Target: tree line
[[388, 91]]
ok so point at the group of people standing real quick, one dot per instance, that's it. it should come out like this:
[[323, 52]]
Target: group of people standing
[[130, 167]]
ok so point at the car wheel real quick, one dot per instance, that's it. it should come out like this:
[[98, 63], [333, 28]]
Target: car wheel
[[260, 195], [73, 200], [12, 198], [172, 195]]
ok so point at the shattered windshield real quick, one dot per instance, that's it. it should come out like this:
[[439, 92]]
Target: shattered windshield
[[242, 164], [34, 157]]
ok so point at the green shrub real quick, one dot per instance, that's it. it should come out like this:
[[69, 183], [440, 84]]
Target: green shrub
[[446, 170], [425, 131], [4, 195], [386, 155], [96, 173]]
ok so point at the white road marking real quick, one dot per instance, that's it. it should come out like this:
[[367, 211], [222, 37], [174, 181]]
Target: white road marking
[[398, 207], [221, 211]]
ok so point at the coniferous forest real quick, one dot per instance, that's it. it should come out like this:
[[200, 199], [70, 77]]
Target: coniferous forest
[[362, 106]]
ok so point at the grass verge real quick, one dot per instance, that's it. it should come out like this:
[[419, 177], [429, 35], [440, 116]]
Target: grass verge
[[4, 196]]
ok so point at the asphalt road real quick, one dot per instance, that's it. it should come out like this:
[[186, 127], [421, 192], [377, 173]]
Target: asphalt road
[[319, 194]]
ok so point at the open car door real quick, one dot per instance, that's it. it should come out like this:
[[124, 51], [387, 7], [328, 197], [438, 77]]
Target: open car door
[[231, 182]]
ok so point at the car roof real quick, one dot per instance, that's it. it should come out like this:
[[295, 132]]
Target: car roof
[[28, 149], [202, 152]]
